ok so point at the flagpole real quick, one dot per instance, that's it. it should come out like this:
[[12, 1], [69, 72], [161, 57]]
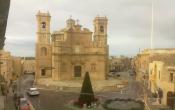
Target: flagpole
[[152, 25]]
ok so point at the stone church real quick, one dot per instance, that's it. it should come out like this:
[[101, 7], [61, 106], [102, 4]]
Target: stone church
[[69, 53]]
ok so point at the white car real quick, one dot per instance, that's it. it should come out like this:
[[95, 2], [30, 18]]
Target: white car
[[33, 92]]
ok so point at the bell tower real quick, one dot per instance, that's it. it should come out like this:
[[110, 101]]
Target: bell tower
[[43, 46], [43, 28], [100, 30]]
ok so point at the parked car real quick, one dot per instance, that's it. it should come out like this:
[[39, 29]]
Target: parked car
[[21, 103], [24, 104], [17, 97], [33, 92]]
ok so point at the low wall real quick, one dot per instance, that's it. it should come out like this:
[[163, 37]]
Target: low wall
[[1, 102]]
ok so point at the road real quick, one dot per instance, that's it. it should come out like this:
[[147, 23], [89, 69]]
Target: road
[[54, 100], [48, 99]]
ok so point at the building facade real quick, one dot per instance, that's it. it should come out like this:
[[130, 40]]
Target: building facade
[[147, 56], [70, 52], [6, 66], [162, 81], [156, 68], [17, 67], [119, 63], [28, 65]]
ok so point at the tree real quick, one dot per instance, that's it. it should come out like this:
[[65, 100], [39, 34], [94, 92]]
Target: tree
[[87, 94]]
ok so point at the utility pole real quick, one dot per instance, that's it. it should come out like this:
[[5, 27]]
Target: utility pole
[[152, 24]]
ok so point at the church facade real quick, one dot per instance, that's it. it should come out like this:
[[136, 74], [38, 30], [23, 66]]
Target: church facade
[[69, 53]]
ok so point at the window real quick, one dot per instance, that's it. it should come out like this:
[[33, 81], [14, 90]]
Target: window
[[151, 71], [43, 72], [77, 71], [93, 67], [43, 51], [171, 77], [155, 69], [101, 29]]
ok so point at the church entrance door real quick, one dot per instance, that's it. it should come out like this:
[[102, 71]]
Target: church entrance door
[[77, 71]]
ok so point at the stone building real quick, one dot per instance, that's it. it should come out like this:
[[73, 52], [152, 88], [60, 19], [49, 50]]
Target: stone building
[[6, 65], [68, 53], [119, 63], [162, 79], [147, 56], [28, 65], [10, 66], [17, 67]]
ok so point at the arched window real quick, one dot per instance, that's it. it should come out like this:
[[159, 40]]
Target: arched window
[[43, 24], [101, 29], [43, 51]]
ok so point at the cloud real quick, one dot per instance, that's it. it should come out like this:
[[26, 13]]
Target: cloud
[[128, 30]]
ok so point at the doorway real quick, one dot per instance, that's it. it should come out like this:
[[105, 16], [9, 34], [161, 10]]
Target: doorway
[[43, 72], [170, 99]]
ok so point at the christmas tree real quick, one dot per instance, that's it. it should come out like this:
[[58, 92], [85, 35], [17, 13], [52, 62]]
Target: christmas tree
[[87, 94]]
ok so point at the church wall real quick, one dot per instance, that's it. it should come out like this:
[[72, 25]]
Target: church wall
[[86, 62], [72, 51]]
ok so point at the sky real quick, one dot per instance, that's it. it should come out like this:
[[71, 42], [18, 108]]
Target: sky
[[129, 24]]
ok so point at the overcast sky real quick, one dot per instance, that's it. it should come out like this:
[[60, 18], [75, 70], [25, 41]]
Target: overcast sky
[[128, 29]]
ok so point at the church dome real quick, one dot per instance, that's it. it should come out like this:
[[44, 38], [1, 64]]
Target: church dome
[[70, 22]]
